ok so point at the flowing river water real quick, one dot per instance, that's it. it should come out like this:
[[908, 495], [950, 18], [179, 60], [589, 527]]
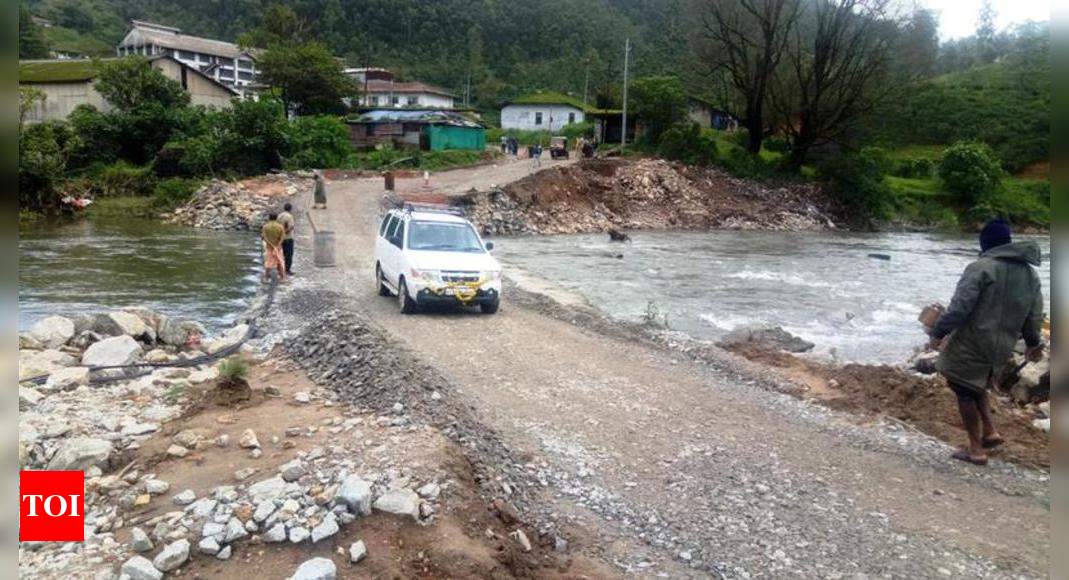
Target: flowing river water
[[98, 265], [823, 287]]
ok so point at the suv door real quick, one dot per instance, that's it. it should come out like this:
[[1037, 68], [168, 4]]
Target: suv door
[[383, 248], [396, 243]]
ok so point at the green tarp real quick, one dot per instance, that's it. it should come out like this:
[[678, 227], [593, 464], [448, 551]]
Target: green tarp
[[442, 137]]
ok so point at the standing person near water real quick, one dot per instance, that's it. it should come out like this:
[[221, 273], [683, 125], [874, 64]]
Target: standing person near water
[[998, 299], [272, 234], [286, 219]]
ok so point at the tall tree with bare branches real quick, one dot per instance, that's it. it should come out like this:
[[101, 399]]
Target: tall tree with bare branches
[[746, 40], [838, 66]]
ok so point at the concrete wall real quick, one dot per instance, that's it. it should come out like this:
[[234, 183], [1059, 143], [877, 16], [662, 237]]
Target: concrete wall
[[554, 117], [201, 90], [62, 98]]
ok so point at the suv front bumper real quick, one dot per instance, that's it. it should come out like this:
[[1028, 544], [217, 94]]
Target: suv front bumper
[[482, 296]]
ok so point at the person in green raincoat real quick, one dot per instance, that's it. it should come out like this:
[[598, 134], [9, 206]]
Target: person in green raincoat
[[998, 300]]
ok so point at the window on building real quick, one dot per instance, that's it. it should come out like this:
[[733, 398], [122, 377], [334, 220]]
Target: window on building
[[204, 58], [244, 63], [413, 101], [244, 75], [571, 118], [226, 73], [395, 100], [186, 55], [538, 118], [374, 100]]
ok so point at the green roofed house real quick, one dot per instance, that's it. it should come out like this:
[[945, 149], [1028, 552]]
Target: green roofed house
[[69, 83], [551, 111], [428, 130]]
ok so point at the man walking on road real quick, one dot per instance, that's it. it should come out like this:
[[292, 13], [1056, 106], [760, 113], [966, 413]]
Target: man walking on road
[[997, 300], [286, 219], [272, 234]]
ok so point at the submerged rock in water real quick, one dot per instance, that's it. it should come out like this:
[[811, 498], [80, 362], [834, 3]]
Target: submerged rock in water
[[765, 337]]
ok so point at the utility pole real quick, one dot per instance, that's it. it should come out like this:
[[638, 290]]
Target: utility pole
[[623, 129]]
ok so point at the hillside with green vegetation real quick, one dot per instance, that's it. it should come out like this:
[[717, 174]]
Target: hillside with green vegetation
[[872, 123]]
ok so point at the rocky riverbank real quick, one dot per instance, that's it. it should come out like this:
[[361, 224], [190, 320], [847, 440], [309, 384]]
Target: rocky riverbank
[[314, 480], [240, 205], [599, 195]]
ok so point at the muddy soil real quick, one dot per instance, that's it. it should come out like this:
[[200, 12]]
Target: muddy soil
[[594, 195], [925, 403]]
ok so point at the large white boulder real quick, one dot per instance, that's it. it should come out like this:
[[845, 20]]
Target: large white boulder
[[231, 337], [133, 325], [79, 453], [403, 502], [316, 569], [140, 568], [67, 379], [356, 494], [53, 331], [117, 350], [33, 363], [173, 556]]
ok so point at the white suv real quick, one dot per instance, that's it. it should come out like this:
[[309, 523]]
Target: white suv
[[430, 254]]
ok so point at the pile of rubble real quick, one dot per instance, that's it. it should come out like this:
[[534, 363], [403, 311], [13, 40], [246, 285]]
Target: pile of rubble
[[600, 195], [240, 205], [59, 359]]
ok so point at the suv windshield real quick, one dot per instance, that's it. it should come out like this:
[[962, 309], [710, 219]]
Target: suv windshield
[[443, 237]]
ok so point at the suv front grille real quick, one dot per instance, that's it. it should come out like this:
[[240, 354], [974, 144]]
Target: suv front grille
[[460, 276]]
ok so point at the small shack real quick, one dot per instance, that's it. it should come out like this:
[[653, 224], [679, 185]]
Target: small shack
[[427, 130]]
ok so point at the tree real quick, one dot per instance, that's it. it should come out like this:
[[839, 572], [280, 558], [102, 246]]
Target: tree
[[985, 32], [920, 43], [839, 66], [747, 39], [131, 83], [660, 102], [32, 43], [310, 81], [281, 25]]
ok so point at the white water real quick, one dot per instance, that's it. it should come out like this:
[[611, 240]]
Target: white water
[[821, 286]]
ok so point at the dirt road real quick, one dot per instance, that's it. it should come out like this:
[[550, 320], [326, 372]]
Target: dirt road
[[661, 465]]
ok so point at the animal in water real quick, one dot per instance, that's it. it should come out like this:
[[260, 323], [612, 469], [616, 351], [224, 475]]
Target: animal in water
[[616, 235]]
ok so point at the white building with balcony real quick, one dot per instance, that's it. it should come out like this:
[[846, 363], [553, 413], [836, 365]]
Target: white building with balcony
[[223, 61], [380, 90]]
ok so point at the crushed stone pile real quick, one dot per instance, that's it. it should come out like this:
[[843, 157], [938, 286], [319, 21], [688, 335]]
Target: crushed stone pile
[[599, 195], [240, 205]]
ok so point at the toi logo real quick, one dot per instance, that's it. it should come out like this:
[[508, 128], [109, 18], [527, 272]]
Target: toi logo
[[51, 506]]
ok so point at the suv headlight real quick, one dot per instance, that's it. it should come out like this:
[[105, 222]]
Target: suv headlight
[[492, 275], [427, 275]]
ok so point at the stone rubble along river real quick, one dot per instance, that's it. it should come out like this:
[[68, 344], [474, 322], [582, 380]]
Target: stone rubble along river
[[241, 205]]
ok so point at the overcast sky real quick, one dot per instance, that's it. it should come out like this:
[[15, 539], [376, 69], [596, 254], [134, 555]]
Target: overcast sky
[[958, 17]]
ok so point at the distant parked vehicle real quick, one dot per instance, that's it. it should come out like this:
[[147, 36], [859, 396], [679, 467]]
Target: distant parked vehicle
[[558, 147], [431, 254]]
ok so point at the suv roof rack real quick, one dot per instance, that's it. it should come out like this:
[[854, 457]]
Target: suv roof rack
[[411, 206]]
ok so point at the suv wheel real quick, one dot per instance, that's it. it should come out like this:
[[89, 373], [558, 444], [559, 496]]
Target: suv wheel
[[380, 284], [408, 306], [490, 307]]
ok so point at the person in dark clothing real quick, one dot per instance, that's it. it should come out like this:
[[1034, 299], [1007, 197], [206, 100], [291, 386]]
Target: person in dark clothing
[[998, 299], [286, 219]]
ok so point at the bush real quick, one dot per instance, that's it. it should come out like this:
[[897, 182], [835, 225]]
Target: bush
[[689, 144], [98, 137], [233, 369], [970, 171], [171, 193], [317, 143], [913, 167], [41, 165], [1018, 201], [775, 143], [574, 131], [121, 179], [252, 137], [858, 182]]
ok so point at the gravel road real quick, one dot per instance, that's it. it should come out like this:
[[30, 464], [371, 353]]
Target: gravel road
[[661, 465]]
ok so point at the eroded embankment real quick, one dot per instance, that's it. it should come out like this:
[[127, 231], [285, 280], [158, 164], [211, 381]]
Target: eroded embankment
[[923, 402], [598, 195]]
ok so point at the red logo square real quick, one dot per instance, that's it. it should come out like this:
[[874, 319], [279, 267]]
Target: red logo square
[[51, 506]]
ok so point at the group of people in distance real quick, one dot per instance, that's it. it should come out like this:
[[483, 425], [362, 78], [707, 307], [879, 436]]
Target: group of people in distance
[[277, 236]]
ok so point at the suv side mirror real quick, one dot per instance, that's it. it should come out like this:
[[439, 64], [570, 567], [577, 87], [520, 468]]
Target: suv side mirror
[[489, 246]]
